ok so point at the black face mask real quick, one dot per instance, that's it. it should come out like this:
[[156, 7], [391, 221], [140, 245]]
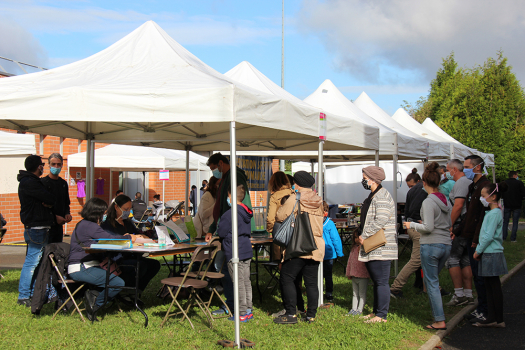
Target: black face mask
[[365, 184]]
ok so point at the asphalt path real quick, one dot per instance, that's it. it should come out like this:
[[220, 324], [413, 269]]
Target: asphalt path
[[466, 337]]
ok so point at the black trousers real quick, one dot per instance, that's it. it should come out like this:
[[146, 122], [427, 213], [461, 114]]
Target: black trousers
[[148, 268], [289, 273], [494, 299], [478, 280], [56, 234], [379, 271], [328, 267]]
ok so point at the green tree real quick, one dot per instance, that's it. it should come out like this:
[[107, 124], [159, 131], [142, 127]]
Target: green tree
[[482, 107]]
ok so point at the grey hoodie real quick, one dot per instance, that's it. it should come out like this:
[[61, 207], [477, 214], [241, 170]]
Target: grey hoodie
[[435, 215]]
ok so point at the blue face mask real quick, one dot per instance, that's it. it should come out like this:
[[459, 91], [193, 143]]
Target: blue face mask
[[104, 217], [229, 202], [216, 173], [293, 188], [125, 213], [469, 173], [55, 171]]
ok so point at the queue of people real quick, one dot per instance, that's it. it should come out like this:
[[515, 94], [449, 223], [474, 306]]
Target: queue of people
[[446, 219]]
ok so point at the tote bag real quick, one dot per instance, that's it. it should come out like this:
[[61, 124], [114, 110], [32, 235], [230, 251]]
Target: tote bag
[[302, 241], [283, 232]]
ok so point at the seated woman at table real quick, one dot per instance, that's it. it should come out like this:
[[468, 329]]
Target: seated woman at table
[[84, 267], [118, 222], [204, 217]]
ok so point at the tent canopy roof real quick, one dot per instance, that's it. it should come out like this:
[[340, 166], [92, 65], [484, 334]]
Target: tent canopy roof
[[134, 158], [12, 144], [146, 89]]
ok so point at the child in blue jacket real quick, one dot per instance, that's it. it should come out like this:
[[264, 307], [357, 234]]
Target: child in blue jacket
[[244, 217], [333, 250], [489, 253]]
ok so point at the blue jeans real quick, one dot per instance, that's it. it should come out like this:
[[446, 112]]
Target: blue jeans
[[97, 277], [433, 258], [226, 281], [36, 241], [515, 220]]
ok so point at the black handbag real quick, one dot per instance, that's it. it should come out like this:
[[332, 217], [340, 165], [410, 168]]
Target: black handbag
[[282, 232], [302, 241]]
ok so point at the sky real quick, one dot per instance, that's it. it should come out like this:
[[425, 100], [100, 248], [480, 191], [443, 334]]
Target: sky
[[389, 49]]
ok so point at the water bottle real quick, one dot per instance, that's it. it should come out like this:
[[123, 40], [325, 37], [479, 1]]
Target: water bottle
[[162, 240]]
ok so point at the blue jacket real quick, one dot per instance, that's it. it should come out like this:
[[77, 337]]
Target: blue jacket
[[333, 245], [244, 218]]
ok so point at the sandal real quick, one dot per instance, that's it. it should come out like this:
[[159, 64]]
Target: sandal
[[367, 316], [436, 328], [376, 319]]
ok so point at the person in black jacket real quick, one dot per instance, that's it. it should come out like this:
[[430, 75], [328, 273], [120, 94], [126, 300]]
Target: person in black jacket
[[415, 197], [59, 187], [37, 216], [512, 200]]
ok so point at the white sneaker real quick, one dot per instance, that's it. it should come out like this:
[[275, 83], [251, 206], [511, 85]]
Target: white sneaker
[[456, 301]]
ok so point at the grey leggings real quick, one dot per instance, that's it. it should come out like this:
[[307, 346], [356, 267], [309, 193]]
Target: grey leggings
[[359, 286]]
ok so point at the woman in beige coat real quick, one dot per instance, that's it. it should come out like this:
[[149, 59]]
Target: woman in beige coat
[[307, 264], [204, 217], [280, 188]]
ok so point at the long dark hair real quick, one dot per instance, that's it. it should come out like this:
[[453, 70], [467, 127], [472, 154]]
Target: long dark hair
[[278, 181], [94, 210], [212, 186], [112, 211]]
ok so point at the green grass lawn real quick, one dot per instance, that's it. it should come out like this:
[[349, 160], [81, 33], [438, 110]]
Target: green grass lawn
[[118, 330]]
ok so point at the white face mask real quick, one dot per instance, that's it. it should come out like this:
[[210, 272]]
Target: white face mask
[[484, 201]]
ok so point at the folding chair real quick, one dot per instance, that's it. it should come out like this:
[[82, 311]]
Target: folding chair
[[2, 233], [213, 277], [143, 218], [201, 255], [65, 282]]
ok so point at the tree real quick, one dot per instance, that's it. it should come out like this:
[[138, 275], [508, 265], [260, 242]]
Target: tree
[[482, 107]]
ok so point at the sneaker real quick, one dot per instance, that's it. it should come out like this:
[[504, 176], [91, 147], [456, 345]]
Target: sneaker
[[457, 301], [329, 298], [396, 294], [309, 319], [279, 313], [285, 319], [353, 313], [219, 312], [243, 318], [470, 300], [25, 302], [481, 318], [474, 314]]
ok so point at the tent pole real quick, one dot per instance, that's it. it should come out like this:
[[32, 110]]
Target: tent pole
[[313, 167], [377, 157], [235, 237], [198, 199], [320, 191], [187, 186], [494, 173], [110, 186], [92, 170], [163, 194], [394, 194]]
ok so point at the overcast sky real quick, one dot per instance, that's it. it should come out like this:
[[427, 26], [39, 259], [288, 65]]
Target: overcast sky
[[390, 49]]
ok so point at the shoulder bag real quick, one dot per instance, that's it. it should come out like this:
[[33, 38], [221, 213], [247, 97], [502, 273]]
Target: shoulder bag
[[282, 231], [302, 241], [375, 241]]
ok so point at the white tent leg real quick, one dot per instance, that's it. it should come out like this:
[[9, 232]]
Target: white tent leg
[[89, 162], [494, 173], [187, 186], [163, 195], [110, 186], [377, 158], [92, 170], [394, 195], [320, 189], [198, 199], [235, 237]]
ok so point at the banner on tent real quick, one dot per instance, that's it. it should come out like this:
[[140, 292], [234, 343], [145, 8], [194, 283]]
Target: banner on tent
[[258, 171]]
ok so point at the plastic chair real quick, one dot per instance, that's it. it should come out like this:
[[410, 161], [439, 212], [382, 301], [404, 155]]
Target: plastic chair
[[201, 255], [213, 277], [65, 282]]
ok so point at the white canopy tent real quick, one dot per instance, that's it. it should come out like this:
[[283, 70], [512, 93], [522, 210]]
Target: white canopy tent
[[140, 158], [146, 89], [12, 144], [430, 125]]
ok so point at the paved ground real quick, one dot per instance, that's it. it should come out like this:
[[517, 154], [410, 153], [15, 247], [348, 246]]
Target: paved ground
[[466, 337], [13, 256]]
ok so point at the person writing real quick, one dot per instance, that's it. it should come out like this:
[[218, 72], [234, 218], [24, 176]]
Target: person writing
[[118, 223], [84, 267], [435, 242]]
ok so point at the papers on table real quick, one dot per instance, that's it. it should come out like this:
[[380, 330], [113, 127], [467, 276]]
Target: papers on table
[[110, 243], [163, 231], [144, 240], [180, 235]]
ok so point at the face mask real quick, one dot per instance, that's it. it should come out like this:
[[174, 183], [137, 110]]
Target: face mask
[[517, 177], [484, 202], [125, 213], [104, 217], [365, 184], [449, 176], [293, 188], [443, 177], [469, 173], [216, 173], [229, 202], [55, 171]]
